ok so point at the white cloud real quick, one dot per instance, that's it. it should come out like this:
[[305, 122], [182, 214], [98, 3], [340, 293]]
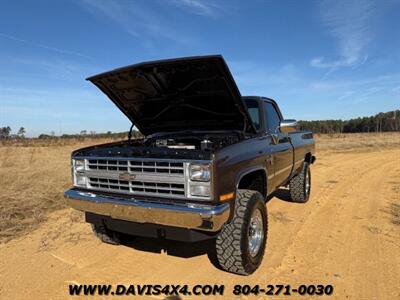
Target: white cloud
[[351, 24], [386, 82], [198, 7], [299, 93], [138, 20], [39, 45], [346, 95]]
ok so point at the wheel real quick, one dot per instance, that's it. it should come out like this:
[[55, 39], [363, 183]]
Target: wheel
[[106, 235], [240, 245], [300, 185]]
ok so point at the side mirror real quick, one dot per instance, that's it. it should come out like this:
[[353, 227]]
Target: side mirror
[[288, 125]]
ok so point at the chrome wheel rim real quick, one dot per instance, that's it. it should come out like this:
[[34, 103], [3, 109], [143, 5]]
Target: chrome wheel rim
[[256, 232], [308, 183]]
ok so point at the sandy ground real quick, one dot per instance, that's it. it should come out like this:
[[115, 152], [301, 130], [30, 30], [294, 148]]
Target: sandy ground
[[347, 235]]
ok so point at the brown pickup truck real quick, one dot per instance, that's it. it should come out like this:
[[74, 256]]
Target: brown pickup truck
[[205, 167]]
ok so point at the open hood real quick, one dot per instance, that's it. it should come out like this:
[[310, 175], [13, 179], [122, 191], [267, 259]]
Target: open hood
[[194, 93]]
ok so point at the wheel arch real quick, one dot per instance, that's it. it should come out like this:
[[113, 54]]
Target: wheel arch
[[254, 178]]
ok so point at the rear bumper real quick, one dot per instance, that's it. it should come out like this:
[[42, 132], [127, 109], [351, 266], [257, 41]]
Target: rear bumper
[[208, 218]]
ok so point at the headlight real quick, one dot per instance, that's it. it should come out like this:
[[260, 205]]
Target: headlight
[[80, 180], [202, 190], [79, 165], [78, 168], [199, 172]]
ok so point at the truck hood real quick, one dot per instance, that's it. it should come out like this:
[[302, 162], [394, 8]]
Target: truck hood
[[193, 93]]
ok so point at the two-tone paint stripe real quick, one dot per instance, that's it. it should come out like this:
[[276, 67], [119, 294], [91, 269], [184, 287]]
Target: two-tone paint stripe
[[285, 169]]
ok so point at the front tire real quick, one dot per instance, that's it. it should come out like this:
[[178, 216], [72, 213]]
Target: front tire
[[300, 185], [241, 243]]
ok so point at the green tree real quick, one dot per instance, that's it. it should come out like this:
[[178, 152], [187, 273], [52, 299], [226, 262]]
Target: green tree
[[5, 132], [21, 132]]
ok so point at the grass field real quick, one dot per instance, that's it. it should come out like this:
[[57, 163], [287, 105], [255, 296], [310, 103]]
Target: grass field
[[358, 141], [33, 177], [35, 173]]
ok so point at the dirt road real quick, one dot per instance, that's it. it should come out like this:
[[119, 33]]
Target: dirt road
[[347, 235]]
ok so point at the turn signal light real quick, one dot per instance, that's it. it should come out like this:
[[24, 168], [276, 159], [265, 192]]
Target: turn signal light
[[226, 197]]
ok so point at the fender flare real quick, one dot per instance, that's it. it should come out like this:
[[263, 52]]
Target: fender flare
[[247, 171], [238, 178]]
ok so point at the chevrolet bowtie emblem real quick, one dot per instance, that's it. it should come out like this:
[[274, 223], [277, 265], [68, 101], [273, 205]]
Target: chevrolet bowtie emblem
[[126, 176]]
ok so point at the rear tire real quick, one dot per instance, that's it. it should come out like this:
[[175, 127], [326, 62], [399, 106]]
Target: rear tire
[[106, 235], [241, 243], [300, 185]]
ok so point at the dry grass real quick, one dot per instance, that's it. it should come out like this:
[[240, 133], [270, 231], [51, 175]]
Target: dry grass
[[54, 142], [34, 175], [357, 141], [32, 180], [395, 212]]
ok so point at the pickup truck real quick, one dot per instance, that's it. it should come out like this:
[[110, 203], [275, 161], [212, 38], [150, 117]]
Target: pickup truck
[[207, 164]]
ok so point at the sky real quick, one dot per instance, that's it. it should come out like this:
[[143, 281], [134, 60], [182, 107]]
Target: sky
[[317, 59]]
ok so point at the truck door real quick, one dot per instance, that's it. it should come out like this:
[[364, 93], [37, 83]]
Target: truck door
[[282, 150]]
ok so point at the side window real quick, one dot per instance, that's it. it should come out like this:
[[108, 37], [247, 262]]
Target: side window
[[271, 117], [254, 112]]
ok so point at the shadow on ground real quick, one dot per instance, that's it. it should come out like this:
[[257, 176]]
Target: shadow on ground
[[282, 194], [187, 249], [174, 248]]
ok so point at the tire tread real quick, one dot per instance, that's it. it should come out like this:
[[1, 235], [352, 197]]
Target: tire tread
[[228, 244], [296, 186]]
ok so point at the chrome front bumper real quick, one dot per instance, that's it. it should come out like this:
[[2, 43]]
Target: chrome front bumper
[[208, 218]]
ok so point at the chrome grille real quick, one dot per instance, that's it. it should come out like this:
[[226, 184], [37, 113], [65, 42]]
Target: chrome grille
[[137, 187], [137, 166], [156, 167], [110, 184], [148, 177], [108, 165]]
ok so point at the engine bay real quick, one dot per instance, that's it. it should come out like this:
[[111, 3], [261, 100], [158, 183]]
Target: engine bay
[[182, 145], [203, 142]]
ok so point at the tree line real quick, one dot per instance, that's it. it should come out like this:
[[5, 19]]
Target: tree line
[[6, 132], [92, 134], [389, 121]]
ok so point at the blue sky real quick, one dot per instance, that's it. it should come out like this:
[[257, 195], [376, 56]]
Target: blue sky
[[318, 59]]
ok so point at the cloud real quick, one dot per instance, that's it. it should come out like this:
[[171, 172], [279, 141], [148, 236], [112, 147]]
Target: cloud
[[303, 95], [351, 24], [24, 70], [39, 45], [346, 95], [257, 77], [203, 8], [138, 20], [380, 89], [387, 81]]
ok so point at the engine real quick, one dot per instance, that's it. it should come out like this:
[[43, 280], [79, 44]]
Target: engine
[[209, 142]]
